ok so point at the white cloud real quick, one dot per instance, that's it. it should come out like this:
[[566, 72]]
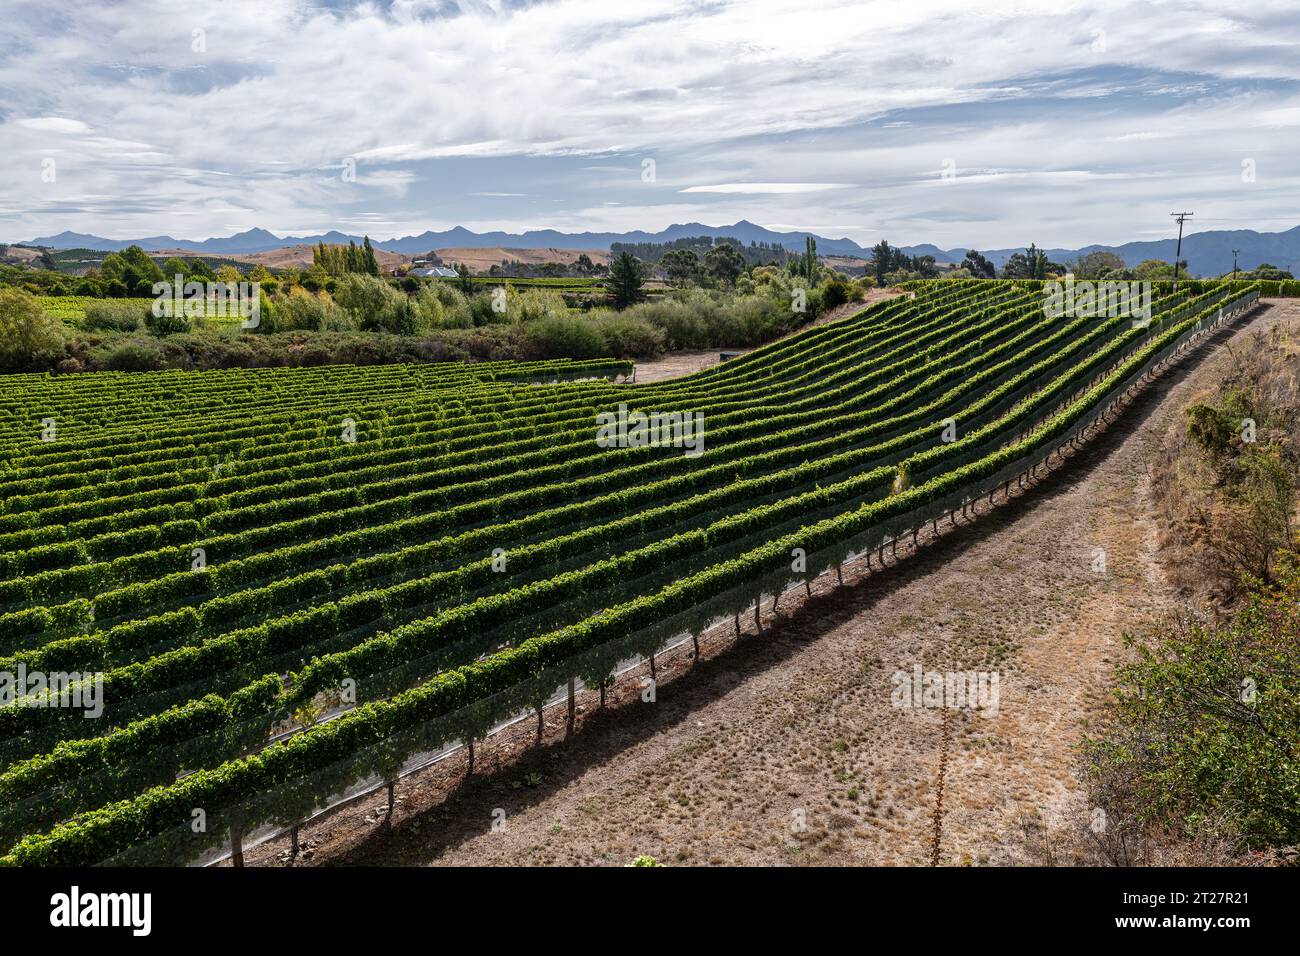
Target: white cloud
[[54, 124], [758, 109], [766, 188]]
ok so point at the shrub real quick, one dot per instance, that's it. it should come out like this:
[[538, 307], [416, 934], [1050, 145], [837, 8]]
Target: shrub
[[565, 337], [835, 292], [626, 336], [1206, 723], [534, 304], [757, 319], [443, 307], [683, 327], [164, 325], [482, 313], [374, 305], [134, 356], [1211, 428], [109, 315], [28, 337]]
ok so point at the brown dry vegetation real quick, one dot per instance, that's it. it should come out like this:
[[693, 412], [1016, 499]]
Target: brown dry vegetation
[[1218, 518], [481, 260], [300, 257]]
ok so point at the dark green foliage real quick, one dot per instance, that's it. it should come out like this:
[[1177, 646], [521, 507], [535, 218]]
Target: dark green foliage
[[625, 280]]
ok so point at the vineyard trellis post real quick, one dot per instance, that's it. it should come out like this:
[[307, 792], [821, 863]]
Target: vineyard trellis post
[[573, 702], [236, 843]]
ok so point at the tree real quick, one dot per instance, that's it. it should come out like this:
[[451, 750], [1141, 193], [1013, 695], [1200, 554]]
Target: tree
[[626, 277], [139, 272], [807, 264], [882, 260], [370, 262], [464, 280], [978, 265], [1097, 264], [28, 337], [175, 266], [725, 263], [1037, 260], [375, 305], [681, 266], [1155, 269], [314, 278], [112, 267], [1266, 271], [925, 265]]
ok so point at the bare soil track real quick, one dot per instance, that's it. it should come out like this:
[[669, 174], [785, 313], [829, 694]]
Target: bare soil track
[[795, 725]]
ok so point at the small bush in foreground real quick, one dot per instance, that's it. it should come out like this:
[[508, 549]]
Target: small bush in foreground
[[1204, 730]]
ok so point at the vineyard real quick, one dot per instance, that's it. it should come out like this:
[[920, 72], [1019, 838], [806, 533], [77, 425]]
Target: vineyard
[[71, 309], [293, 580]]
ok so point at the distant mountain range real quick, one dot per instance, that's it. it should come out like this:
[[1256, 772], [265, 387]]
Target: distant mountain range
[[1207, 253]]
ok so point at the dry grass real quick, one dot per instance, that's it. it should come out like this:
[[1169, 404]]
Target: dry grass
[[1207, 539]]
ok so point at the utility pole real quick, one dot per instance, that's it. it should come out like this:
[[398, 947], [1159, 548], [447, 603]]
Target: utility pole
[[1182, 217], [1234, 264]]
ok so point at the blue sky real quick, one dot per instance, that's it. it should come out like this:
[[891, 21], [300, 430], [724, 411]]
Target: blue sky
[[985, 125]]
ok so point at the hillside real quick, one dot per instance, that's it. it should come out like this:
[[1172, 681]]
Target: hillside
[[1207, 253], [482, 259]]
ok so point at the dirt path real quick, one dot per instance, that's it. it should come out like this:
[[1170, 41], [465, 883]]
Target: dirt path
[[785, 747]]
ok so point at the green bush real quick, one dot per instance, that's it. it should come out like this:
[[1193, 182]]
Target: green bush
[[110, 315], [835, 292], [164, 325], [373, 304], [28, 337], [134, 356], [683, 327], [563, 336], [758, 319], [1205, 727], [481, 312], [626, 336], [533, 304]]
